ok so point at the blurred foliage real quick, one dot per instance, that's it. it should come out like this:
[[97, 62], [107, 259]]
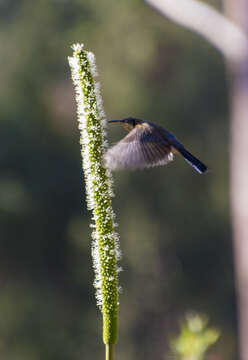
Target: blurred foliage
[[195, 338], [174, 224]]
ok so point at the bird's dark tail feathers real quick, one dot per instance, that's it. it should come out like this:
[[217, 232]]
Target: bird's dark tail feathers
[[193, 161]]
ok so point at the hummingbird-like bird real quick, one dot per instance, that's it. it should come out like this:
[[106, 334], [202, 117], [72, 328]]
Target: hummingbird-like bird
[[146, 145]]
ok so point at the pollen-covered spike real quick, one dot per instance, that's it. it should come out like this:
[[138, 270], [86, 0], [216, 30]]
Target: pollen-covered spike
[[98, 181]]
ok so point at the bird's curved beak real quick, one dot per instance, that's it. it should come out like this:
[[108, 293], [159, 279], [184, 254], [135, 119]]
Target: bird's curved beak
[[115, 121]]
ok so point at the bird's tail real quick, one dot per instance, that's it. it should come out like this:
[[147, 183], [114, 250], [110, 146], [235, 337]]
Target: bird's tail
[[193, 161]]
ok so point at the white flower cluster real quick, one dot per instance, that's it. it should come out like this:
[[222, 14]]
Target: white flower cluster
[[92, 126]]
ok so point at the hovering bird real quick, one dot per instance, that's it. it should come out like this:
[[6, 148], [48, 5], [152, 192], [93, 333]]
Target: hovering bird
[[146, 145]]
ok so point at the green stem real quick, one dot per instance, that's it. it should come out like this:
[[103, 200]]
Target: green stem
[[109, 352]]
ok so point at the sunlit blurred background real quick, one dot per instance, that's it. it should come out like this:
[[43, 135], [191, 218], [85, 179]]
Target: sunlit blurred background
[[174, 224]]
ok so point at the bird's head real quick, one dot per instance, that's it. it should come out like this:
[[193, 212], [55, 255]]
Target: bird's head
[[128, 123]]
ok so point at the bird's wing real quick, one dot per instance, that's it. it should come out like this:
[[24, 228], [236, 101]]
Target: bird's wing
[[142, 147]]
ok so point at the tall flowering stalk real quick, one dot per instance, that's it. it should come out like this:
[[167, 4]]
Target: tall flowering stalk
[[105, 248]]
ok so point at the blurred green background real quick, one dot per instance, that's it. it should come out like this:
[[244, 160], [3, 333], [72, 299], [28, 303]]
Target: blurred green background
[[174, 224]]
